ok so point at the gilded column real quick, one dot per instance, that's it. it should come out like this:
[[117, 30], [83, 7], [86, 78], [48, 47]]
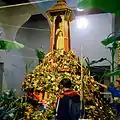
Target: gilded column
[[66, 36], [52, 37], [52, 34]]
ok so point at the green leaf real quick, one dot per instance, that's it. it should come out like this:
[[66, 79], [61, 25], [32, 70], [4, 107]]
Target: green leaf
[[9, 45], [11, 115], [116, 73], [2, 44], [84, 4], [112, 6], [40, 55], [108, 40]]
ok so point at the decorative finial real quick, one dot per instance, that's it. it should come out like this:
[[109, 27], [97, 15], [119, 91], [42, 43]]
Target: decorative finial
[[59, 1]]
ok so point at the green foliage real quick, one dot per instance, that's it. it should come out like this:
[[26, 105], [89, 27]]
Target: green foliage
[[9, 45], [114, 45], [111, 6], [40, 55], [11, 108], [2, 44], [109, 40], [116, 73]]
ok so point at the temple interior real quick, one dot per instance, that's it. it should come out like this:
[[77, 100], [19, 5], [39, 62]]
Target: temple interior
[[45, 42]]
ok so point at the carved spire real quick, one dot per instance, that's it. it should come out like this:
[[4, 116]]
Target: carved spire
[[59, 1]]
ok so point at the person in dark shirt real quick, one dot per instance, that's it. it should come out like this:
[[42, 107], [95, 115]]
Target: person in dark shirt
[[62, 109]]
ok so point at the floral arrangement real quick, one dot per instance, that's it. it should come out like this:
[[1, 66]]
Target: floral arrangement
[[55, 66], [45, 79]]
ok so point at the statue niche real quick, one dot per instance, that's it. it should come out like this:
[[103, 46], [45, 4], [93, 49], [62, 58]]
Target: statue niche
[[59, 36]]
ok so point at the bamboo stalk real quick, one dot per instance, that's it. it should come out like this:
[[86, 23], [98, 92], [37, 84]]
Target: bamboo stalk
[[81, 85]]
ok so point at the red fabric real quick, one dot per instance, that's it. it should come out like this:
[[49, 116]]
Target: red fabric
[[70, 93]]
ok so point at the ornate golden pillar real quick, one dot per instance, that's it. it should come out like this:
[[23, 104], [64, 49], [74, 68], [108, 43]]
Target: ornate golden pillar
[[52, 36]]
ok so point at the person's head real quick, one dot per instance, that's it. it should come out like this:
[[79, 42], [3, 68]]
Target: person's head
[[66, 83]]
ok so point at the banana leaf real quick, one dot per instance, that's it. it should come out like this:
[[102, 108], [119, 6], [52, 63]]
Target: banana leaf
[[10, 45], [110, 40], [116, 73], [111, 6]]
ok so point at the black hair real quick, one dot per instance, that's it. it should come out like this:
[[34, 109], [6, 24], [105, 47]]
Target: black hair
[[66, 83], [59, 33]]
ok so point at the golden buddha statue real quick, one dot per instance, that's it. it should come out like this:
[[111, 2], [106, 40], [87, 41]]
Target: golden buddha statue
[[59, 37]]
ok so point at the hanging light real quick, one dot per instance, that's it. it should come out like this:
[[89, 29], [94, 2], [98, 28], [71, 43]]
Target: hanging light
[[82, 23], [80, 10]]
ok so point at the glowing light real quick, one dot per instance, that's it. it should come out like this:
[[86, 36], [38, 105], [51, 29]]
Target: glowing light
[[78, 9], [82, 23]]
